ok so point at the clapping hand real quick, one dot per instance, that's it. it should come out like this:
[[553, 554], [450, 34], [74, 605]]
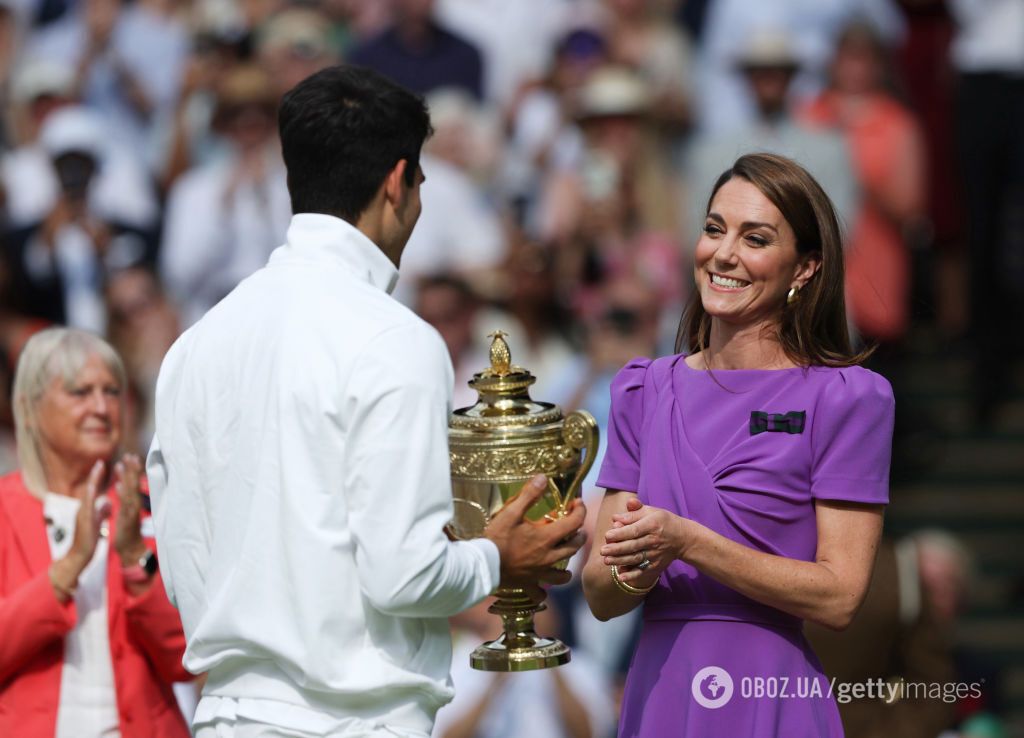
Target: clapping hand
[[88, 523], [644, 533], [95, 508], [128, 541]]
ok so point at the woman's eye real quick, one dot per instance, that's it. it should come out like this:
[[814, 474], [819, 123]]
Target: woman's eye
[[712, 229], [113, 391], [757, 240]]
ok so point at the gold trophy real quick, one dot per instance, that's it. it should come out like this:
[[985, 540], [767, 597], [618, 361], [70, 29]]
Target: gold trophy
[[496, 446]]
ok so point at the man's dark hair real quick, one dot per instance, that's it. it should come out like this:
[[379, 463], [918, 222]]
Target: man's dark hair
[[342, 130]]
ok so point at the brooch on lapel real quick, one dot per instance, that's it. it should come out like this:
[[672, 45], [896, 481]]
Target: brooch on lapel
[[791, 422], [58, 532]]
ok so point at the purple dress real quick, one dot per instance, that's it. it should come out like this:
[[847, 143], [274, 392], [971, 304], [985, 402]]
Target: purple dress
[[745, 453]]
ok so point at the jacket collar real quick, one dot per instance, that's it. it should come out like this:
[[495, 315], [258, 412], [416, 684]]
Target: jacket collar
[[313, 235], [25, 516]]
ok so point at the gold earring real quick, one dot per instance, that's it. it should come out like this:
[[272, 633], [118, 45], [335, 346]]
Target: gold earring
[[792, 295]]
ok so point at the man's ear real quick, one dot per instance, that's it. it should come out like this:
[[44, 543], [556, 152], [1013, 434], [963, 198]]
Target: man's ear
[[394, 184]]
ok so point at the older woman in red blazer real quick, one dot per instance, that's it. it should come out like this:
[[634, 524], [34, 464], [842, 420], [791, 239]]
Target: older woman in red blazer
[[89, 643]]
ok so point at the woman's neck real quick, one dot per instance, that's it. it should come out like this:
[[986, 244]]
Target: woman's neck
[[744, 347]]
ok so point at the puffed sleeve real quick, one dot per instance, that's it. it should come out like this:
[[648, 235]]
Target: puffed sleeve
[[621, 466], [851, 438]]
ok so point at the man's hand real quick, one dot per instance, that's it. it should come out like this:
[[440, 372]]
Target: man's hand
[[530, 550]]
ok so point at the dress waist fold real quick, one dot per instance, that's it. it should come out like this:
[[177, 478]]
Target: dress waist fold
[[738, 612]]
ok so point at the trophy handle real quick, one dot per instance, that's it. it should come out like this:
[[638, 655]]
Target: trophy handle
[[579, 431]]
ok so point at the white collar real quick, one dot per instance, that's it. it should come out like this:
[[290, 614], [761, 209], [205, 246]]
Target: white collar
[[316, 234], [62, 506]]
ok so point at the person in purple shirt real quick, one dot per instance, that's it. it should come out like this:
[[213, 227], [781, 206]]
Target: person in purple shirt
[[746, 479]]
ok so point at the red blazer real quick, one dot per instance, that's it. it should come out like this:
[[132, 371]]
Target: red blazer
[[146, 640]]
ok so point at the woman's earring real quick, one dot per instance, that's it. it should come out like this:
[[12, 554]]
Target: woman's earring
[[792, 295]]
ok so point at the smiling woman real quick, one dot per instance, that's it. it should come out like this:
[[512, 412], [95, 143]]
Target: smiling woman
[[745, 477], [91, 644], [745, 267], [769, 216]]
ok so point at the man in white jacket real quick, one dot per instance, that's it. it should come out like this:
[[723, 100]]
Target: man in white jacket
[[299, 471]]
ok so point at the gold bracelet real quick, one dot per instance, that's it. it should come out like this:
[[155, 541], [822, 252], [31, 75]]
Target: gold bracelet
[[629, 588], [68, 592]]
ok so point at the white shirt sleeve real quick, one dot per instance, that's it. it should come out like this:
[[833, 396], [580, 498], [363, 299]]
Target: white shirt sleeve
[[175, 490], [156, 475], [398, 477]]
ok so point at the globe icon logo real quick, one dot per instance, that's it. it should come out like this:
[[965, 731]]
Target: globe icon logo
[[712, 687]]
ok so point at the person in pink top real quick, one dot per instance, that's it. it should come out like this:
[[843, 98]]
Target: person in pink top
[[886, 145]]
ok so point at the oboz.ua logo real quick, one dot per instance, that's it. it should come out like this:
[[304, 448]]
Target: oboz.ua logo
[[712, 687]]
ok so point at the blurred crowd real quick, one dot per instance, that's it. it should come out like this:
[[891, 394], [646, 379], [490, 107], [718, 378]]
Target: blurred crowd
[[574, 145]]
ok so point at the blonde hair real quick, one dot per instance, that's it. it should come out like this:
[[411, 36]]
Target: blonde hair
[[49, 354]]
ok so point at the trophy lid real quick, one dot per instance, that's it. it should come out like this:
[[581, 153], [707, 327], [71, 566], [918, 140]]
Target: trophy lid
[[504, 394]]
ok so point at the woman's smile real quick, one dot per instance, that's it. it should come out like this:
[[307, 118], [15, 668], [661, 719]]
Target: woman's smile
[[722, 283]]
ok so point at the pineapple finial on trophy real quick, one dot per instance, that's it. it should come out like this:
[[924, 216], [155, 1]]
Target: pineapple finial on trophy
[[501, 357]]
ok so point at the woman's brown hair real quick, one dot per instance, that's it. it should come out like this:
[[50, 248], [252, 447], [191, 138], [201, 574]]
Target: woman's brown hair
[[813, 329]]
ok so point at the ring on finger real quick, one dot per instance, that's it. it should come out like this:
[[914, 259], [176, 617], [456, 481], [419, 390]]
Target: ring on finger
[[644, 561]]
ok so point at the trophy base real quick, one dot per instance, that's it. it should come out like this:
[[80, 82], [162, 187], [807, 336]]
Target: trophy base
[[536, 653]]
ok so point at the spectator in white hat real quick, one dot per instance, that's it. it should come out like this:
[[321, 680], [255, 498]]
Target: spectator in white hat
[[294, 44], [769, 63], [723, 101], [121, 190], [616, 213], [60, 261]]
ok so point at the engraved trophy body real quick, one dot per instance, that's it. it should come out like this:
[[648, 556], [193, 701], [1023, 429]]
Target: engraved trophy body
[[496, 446]]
